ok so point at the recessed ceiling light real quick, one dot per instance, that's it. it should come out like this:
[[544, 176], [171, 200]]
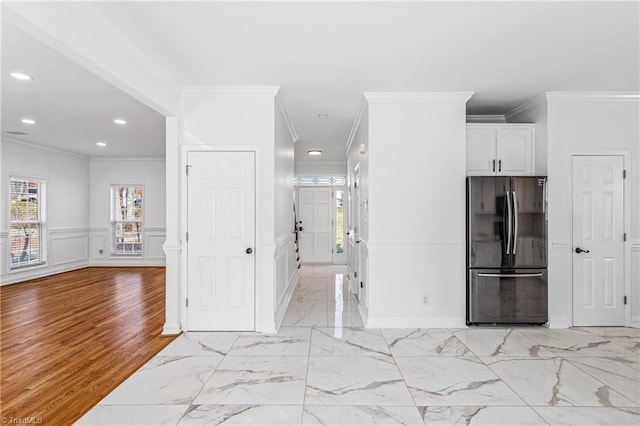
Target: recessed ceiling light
[[101, 144], [120, 121], [314, 152], [21, 76], [28, 121]]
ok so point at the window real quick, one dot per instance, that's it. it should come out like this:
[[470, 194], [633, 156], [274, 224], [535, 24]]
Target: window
[[319, 180], [126, 220], [27, 218]]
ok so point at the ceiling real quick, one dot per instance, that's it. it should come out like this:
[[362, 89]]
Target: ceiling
[[72, 107], [324, 55]]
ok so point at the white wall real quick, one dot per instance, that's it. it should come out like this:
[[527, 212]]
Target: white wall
[[245, 119], [416, 209], [320, 168], [67, 191], [148, 172], [580, 123], [286, 267]]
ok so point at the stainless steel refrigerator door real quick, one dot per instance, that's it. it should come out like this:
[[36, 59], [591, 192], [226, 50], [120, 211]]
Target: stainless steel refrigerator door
[[487, 221], [529, 246], [507, 297]]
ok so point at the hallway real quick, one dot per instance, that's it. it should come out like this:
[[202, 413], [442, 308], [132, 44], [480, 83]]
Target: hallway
[[312, 374]]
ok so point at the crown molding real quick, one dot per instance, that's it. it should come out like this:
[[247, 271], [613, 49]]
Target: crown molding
[[44, 148], [593, 96], [287, 118], [355, 126], [270, 91], [540, 98], [150, 159], [485, 118], [410, 97]]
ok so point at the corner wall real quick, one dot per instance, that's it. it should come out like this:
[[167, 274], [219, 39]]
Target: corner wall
[[67, 197], [417, 209]]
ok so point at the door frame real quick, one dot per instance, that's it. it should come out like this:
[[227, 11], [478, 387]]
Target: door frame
[[259, 294], [626, 215]]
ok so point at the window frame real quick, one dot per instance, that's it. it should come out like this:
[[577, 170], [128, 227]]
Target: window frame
[[113, 221], [41, 222]]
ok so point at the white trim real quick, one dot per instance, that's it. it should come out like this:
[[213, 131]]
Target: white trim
[[414, 244], [405, 97], [486, 118], [200, 91], [171, 329], [626, 226], [356, 125], [159, 159], [53, 231], [43, 147], [509, 116], [416, 322], [286, 117], [593, 96]]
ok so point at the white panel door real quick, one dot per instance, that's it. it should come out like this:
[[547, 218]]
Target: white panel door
[[598, 271], [221, 241], [316, 215]]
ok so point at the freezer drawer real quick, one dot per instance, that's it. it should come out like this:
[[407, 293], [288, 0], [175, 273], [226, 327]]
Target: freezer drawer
[[507, 297]]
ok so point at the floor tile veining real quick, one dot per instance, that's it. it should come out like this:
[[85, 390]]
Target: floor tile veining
[[324, 368]]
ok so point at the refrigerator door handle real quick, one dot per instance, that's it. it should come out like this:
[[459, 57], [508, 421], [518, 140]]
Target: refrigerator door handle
[[537, 274], [515, 221], [509, 219]]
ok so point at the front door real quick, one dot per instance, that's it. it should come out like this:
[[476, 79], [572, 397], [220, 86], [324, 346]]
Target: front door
[[598, 247], [221, 241], [316, 214]]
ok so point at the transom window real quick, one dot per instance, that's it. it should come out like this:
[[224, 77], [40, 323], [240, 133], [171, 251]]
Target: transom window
[[126, 220], [319, 180], [27, 219]]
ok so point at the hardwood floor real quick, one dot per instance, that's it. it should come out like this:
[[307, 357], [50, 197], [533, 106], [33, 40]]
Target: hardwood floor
[[68, 340]]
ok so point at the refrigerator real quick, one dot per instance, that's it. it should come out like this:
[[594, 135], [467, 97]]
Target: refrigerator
[[506, 250]]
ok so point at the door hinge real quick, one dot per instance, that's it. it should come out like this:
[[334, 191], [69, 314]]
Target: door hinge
[[361, 284], [187, 237], [186, 302], [624, 237], [624, 174], [187, 167], [625, 300]]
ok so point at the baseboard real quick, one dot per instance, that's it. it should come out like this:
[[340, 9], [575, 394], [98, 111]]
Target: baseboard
[[32, 274], [123, 263], [562, 322], [285, 299], [171, 329], [415, 322], [635, 322]]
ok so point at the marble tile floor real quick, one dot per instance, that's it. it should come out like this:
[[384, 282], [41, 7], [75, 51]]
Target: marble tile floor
[[324, 368]]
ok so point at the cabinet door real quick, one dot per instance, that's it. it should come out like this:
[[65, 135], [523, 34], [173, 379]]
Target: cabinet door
[[481, 152], [513, 149]]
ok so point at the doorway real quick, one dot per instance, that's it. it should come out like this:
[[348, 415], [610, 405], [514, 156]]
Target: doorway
[[221, 241], [598, 240]]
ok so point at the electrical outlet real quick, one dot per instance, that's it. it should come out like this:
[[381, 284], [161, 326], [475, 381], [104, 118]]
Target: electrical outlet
[[425, 300]]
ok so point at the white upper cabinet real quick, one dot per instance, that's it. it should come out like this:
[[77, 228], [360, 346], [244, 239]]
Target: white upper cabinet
[[499, 149]]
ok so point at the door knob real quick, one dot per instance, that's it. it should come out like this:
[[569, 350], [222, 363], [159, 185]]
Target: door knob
[[301, 229], [579, 250], [249, 250]]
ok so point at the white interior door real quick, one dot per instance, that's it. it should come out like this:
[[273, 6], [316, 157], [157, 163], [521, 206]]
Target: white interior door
[[221, 241], [598, 227], [316, 214]]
